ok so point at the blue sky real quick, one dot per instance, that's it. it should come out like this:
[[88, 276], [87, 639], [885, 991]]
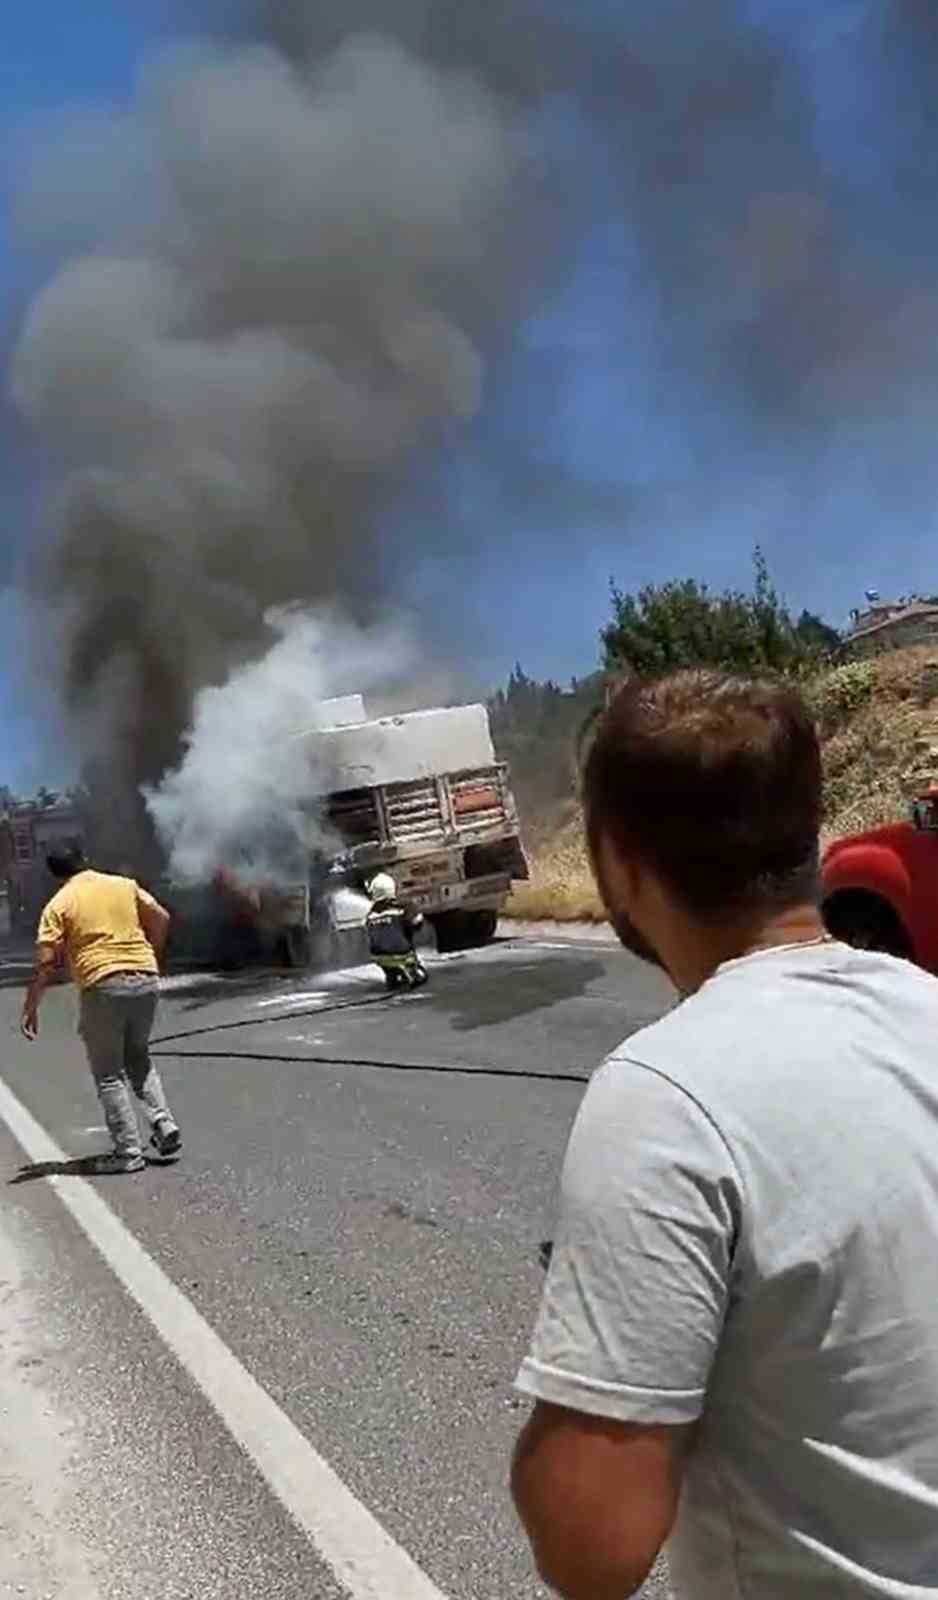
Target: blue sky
[[678, 425], [636, 404]]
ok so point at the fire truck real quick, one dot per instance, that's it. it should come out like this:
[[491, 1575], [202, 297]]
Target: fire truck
[[420, 795], [880, 888]]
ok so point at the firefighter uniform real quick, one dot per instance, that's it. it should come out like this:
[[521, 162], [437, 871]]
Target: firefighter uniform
[[391, 928]]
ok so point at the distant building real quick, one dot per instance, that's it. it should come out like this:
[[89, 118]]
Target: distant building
[[890, 625], [28, 831]]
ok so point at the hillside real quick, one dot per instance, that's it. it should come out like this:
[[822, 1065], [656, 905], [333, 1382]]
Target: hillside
[[878, 722]]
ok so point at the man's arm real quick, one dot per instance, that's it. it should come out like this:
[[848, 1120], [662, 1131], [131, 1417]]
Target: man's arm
[[48, 957], [597, 1498], [155, 921], [630, 1322]]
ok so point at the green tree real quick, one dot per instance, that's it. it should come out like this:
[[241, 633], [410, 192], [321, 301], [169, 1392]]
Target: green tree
[[817, 634], [535, 727], [666, 627]]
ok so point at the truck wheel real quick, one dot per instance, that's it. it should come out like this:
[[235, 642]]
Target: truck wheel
[[481, 928], [297, 948], [463, 930], [866, 921]]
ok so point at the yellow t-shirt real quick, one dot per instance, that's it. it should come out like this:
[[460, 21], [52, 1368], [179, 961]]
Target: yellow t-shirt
[[96, 918]]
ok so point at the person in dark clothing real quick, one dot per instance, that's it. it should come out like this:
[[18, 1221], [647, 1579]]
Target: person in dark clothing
[[391, 929]]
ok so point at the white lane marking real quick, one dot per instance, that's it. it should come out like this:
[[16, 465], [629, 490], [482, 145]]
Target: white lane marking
[[363, 1557]]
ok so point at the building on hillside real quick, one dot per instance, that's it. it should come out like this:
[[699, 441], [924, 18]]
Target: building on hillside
[[891, 625], [28, 831]]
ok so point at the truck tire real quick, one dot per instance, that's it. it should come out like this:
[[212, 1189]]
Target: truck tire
[[297, 948], [867, 922], [463, 930], [482, 926]]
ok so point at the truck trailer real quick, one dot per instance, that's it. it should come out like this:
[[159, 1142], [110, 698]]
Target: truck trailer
[[419, 794]]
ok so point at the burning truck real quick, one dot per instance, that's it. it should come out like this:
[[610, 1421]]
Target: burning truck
[[420, 795]]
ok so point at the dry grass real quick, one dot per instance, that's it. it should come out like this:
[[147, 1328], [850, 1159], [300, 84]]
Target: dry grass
[[561, 887], [879, 730], [884, 750]]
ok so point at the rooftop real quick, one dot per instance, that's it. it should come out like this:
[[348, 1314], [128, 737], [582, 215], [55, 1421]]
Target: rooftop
[[885, 614]]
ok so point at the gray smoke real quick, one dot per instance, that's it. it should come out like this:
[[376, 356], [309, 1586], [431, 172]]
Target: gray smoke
[[754, 192], [278, 283], [751, 191], [286, 267]]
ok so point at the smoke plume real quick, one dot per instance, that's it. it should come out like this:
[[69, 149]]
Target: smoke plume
[[280, 280], [292, 269], [243, 796], [744, 345]]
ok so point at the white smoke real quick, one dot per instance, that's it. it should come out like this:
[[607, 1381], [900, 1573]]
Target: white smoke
[[244, 797]]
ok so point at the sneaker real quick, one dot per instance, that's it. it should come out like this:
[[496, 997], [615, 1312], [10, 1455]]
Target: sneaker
[[166, 1139], [119, 1161]]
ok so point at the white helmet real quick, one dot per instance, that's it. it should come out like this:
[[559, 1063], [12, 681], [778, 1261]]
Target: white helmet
[[382, 887]]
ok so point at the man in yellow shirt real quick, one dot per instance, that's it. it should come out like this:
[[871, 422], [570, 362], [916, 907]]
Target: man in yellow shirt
[[112, 934]]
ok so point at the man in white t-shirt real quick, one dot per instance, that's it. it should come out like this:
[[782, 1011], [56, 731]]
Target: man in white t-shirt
[[737, 1350]]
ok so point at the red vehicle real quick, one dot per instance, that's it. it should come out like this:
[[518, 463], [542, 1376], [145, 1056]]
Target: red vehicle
[[880, 888]]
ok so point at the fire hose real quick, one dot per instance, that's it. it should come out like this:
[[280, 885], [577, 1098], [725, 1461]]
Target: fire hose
[[462, 1069], [546, 1248]]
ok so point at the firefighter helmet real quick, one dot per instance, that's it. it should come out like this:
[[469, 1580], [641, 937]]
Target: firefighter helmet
[[382, 887]]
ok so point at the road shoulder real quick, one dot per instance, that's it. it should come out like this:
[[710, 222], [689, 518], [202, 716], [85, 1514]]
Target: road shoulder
[[44, 1554]]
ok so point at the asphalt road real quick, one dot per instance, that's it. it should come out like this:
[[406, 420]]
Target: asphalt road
[[357, 1215]]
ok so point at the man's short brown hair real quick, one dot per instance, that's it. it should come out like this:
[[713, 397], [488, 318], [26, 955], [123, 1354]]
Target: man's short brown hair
[[715, 783]]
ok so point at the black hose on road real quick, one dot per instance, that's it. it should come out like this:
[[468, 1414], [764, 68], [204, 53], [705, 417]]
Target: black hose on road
[[313, 1011], [379, 1066], [342, 1061]]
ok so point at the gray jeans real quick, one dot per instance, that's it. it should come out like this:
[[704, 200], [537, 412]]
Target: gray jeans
[[116, 1021]]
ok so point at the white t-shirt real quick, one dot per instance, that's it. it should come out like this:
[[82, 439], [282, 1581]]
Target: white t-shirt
[[749, 1234]]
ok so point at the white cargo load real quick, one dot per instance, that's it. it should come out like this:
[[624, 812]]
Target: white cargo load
[[399, 749], [346, 709]]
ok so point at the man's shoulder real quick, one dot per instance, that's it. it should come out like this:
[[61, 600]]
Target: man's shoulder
[[91, 892], [93, 881], [58, 901], [766, 1023]]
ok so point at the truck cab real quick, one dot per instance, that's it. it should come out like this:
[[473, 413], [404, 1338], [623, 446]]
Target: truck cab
[[880, 888]]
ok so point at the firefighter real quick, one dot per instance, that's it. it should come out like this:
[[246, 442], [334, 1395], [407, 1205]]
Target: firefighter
[[391, 928]]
